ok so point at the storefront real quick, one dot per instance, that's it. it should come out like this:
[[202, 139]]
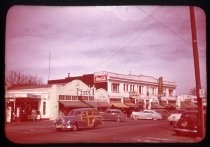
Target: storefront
[[21, 107]]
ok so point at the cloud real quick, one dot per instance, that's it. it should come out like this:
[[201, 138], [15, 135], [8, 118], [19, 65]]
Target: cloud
[[148, 40]]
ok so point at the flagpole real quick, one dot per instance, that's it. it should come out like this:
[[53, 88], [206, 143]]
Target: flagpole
[[49, 67]]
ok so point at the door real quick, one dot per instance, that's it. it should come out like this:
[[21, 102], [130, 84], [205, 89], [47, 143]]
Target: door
[[87, 119]]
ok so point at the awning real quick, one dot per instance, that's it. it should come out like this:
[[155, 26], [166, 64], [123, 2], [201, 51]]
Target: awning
[[130, 104], [186, 105], [74, 104], [193, 105], [91, 103], [157, 106], [119, 104], [164, 104], [169, 105], [103, 104]]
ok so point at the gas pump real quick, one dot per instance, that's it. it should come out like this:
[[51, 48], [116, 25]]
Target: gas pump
[[8, 114]]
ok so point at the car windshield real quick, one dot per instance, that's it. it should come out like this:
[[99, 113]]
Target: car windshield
[[71, 113], [178, 111], [190, 115]]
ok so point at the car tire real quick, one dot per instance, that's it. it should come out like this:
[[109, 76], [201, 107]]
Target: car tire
[[74, 127], [154, 118], [95, 125], [118, 119], [135, 117], [178, 133], [58, 129]]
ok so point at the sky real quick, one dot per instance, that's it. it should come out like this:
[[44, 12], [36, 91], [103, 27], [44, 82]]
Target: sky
[[142, 40]]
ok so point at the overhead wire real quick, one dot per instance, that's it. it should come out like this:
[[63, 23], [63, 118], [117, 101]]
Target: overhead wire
[[165, 26], [113, 52]]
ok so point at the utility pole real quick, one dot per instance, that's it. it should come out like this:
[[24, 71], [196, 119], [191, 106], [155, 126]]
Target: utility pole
[[197, 72]]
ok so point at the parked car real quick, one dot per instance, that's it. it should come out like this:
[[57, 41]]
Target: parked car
[[146, 114], [188, 123], [164, 113], [79, 118], [175, 116], [113, 114]]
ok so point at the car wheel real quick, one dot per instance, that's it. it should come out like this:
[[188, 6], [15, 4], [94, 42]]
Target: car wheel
[[171, 123], [154, 118], [178, 133], [118, 119], [95, 125], [135, 117], [74, 127], [58, 129]]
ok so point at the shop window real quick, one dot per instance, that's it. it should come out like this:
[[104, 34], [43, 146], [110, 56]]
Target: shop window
[[74, 98], [91, 98]]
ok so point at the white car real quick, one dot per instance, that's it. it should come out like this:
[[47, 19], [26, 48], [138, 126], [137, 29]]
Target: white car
[[146, 114], [175, 116]]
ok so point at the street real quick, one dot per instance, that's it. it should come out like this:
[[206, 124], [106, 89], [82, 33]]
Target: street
[[131, 131]]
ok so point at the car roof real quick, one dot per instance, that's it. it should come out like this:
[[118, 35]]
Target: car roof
[[83, 109], [113, 109], [193, 111]]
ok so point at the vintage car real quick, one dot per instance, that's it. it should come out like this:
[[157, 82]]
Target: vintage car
[[175, 116], [188, 124], [146, 114], [113, 114], [79, 118]]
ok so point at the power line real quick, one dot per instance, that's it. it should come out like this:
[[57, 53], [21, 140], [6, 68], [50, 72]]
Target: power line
[[175, 33], [118, 49]]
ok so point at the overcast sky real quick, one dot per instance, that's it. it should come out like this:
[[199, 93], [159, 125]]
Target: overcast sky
[[143, 40]]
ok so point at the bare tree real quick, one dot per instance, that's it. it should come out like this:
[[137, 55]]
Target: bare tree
[[14, 79]]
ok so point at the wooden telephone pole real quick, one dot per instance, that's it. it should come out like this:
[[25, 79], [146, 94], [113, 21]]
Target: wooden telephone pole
[[197, 72]]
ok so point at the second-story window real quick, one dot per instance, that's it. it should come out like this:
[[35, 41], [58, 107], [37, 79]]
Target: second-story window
[[153, 90], [170, 92], [115, 87], [140, 89], [131, 88]]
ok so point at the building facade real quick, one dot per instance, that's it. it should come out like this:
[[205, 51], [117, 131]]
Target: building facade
[[101, 90]]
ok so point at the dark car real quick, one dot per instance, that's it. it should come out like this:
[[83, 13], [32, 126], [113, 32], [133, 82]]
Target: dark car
[[188, 123], [113, 114], [79, 118]]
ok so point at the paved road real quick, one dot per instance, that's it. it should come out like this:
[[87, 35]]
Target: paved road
[[131, 131]]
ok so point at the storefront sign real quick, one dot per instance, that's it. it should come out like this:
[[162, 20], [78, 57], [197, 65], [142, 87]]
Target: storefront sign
[[133, 94], [100, 77]]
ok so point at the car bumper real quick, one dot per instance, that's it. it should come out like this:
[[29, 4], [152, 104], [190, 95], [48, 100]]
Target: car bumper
[[57, 126], [185, 130]]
